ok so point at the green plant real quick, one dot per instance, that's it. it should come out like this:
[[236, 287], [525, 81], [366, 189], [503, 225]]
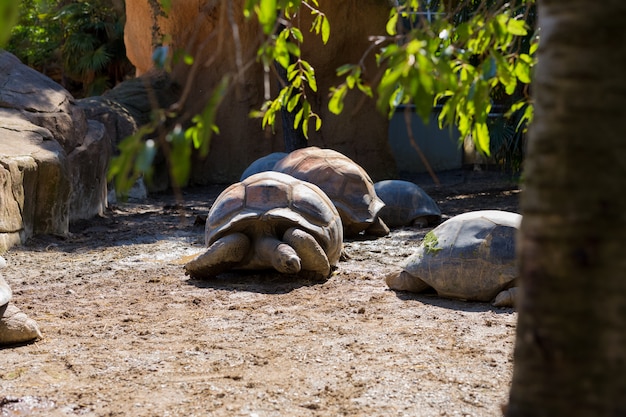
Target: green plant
[[282, 46], [8, 17], [80, 43], [93, 44], [36, 38], [507, 135], [451, 61], [431, 243], [454, 61]]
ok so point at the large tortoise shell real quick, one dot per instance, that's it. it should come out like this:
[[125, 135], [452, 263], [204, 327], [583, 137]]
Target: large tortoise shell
[[405, 202], [470, 256], [272, 202], [343, 180]]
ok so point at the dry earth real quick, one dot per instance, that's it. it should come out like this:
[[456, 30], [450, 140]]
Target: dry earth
[[126, 333]]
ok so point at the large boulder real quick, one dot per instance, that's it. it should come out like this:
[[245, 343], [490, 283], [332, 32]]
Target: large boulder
[[53, 160], [205, 29], [41, 101], [129, 105]]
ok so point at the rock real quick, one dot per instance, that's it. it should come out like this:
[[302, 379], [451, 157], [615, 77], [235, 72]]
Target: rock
[[88, 164], [129, 105], [53, 160], [40, 173], [41, 101]]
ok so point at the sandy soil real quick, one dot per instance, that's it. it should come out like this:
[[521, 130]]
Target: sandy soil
[[126, 333]]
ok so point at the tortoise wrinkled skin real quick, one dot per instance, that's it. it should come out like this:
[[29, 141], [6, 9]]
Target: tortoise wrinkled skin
[[406, 204], [269, 207], [346, 183], [470, 256]]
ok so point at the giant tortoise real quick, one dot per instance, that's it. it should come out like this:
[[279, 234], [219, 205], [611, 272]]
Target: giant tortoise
[[346, 183], [470, 256], [264, 163], [271, 220], [406, 204], [15, 326]]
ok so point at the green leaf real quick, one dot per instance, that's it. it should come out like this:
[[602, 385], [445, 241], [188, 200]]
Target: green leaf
[[316, 25], [392, 23], [298, 118], [204, 127], [423, 102], [281, 52], [166, 5], [267, 15], [489, 68], [297, 34], [335, 104], [480, 134], [344, 69], [325, 30], [350, 81], [516, 27], [248, 8], [365, 89], [306, 111], [293, 102], [506, 75], [533, 47], [522, 71], [145, 157], [9, 12], [180, 155], [309, 73]]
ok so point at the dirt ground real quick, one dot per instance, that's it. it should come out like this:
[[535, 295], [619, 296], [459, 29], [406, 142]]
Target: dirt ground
[[126, 333]]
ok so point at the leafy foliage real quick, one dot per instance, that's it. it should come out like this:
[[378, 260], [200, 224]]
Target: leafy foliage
[[82, 39], [138, 151], [457, 60], [93, 42], [464, 59], [8, 17], [282, 46], [36, 38], [464, 56]]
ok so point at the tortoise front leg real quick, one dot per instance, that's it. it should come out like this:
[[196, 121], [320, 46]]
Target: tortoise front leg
[[401, 280], [506, 298], [16, 327], [223, 254], [311, 254]]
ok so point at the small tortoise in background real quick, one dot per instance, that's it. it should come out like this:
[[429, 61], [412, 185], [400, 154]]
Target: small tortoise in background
[[15, 326], [264, 163], [406, 204], [271, 221], [470, 256], [347, 184]]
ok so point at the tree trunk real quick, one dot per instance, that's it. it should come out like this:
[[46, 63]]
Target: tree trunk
[[570, 353]]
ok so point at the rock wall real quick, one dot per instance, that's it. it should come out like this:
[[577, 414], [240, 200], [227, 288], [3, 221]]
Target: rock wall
[[53, 160], [207, 28]]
